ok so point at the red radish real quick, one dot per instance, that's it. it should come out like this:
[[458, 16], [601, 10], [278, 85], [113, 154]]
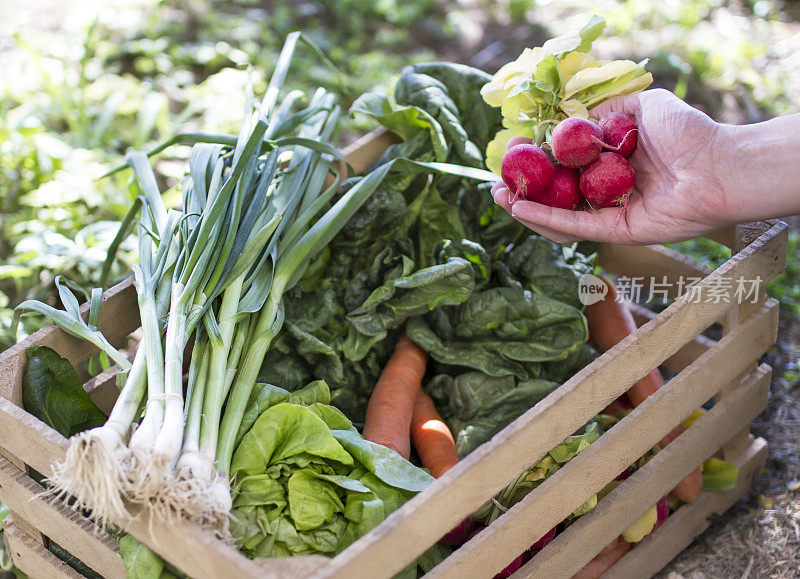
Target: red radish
[[620, 133], [576, 142], [608, 181], [544, 541], [514, 141], [526, 170], [459, 534], [511, 568], [624, 474], [662, 511], [563, 191]]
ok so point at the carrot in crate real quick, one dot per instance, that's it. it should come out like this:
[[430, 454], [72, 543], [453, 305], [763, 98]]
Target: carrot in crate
[[432, 438], [610, 322], [391, 405]]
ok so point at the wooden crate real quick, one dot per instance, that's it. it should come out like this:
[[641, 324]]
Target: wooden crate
[[727, 370]]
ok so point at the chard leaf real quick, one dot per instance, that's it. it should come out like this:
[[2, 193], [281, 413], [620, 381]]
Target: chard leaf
[[591, 32]]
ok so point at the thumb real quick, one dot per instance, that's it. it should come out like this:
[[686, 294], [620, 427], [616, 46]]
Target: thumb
[[628, 104]]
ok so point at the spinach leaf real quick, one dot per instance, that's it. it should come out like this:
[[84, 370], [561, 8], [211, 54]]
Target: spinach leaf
[[53, 393], [477, 406], [405, 122], [447, 92], [541, 265], [501, 331], [398, 299], [438, 221]]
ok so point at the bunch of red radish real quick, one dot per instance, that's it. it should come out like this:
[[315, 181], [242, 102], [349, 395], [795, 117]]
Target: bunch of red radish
[[591, 164]]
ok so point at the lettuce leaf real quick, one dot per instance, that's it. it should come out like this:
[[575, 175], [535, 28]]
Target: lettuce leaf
[[306, 482], [719, 475]]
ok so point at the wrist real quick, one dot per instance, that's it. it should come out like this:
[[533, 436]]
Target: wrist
[[756, 169]]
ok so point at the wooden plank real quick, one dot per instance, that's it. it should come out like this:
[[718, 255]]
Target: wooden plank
[[67, 527], [30, 439], [581, 541], [683, 357], [639, 431], [724, 236], [31, 557], [362, 153], [743, 235], [425, 518], [119, 316], [653, 266], [682, 526], [29, 529], [201, 556], [102, 389]]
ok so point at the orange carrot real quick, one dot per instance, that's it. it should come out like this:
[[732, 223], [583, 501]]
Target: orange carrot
[[602, 563], [432, 438], [391, 405], [610, 547], [688, 489], [618, 406], [610, 322]]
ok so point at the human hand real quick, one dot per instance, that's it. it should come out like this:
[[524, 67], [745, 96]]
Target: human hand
[[679, 192]]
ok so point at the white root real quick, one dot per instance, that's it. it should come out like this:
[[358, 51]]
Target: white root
[[94, 472]]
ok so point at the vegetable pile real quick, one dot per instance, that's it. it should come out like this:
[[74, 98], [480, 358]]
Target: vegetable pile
[[256, 214], [402, 303]]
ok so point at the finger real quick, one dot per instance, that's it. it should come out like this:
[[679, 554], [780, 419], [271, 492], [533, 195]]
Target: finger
[[599, 225], [553, 235], [627, 105], [514, 141], [502, 196]]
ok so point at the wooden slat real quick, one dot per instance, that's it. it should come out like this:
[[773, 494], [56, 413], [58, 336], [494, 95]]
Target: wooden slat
[[201, 556], [425, 518], [61, 524], [652, 264], [724, 236], [30, 439], [102, 389], [682, 526], [31, 557], [578, 544], [362, 153], [683, 357], [639, 431], [119, 316]]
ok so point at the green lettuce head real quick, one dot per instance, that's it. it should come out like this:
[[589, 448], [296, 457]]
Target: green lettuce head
[[306, 482]]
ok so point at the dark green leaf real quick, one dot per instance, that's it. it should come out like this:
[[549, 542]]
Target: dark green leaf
[[52, 391]]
